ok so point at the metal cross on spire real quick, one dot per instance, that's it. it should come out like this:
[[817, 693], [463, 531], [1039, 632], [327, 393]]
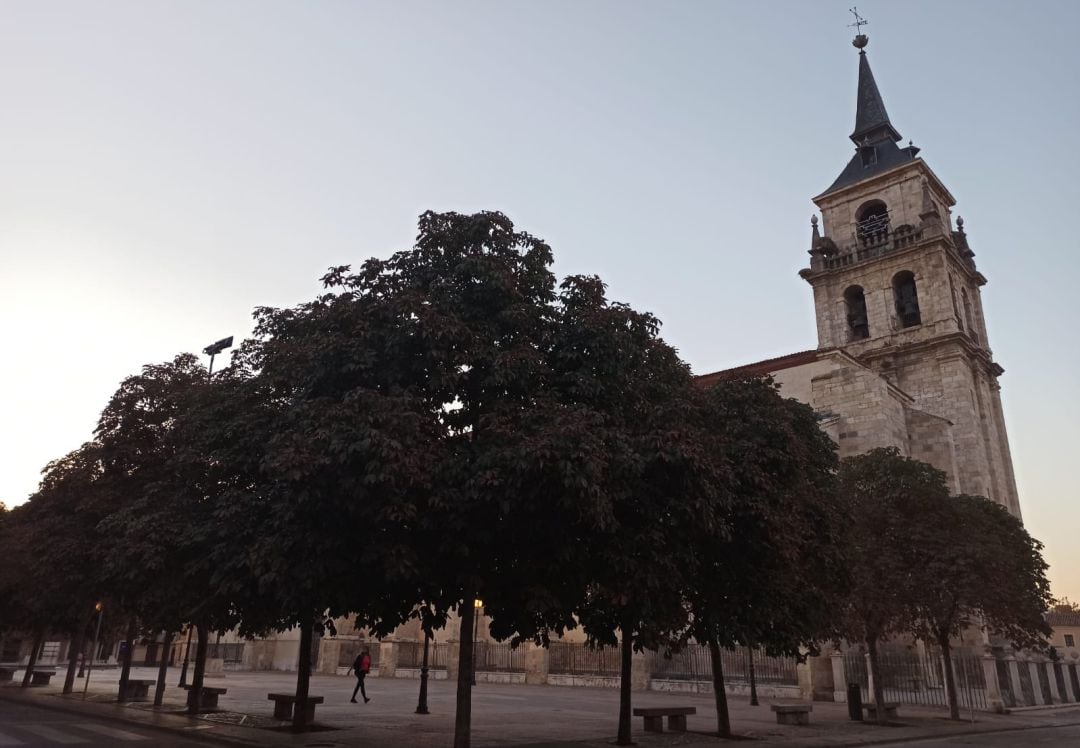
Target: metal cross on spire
[[861, 40], [859, 20]]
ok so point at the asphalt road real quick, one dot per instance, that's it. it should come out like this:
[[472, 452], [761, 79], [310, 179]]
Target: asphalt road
[[29, 726], [1048, 736]]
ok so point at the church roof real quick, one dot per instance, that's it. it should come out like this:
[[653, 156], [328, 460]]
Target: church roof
[[760, 368], [874, 136]]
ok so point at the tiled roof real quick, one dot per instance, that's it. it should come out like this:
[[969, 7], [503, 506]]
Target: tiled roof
[[1063, 619], [759, 368]]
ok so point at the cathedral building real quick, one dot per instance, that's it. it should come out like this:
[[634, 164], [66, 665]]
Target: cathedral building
[[903, 358]]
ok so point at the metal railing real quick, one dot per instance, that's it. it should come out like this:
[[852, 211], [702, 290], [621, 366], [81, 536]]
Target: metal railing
[[226, 652], [499, 657], [411, 655], [581, 659], [694, 662], [908, 677], [350, 648]]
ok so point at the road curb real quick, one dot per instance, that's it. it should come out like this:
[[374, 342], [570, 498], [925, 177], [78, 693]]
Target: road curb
[[960, 734]]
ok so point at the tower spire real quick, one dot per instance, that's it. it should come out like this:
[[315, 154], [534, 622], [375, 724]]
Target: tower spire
[[871, 120]]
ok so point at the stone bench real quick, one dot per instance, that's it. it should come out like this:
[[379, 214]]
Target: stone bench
[[209, 696], [138, 689], [7, 674], [41, 677], [890, 710], [283, 705], [792, 714], [654, 717]]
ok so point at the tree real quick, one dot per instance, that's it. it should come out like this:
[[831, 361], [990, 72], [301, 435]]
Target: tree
[[49, 580], [770, 574], [163, 526], [1064, 605], [656, 485], [886, 493], [977, 567]]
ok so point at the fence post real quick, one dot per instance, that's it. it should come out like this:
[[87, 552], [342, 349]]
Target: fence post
[[994, 699], [329, 653], [536, 664], [388, 658], [1014, 679], [839, 680]]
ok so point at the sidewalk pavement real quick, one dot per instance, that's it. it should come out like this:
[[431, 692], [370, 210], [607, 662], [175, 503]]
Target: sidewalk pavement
[[503, 715]]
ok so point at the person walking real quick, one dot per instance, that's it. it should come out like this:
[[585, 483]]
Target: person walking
[[361, 665]]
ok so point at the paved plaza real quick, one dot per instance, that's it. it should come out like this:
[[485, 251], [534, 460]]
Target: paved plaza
[[503, 715]]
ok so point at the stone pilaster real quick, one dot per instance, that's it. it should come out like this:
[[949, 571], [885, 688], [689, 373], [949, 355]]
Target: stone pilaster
[[640, 671], [453, 657], [388, 658], [836, 660], [994, 699], [536, 664]]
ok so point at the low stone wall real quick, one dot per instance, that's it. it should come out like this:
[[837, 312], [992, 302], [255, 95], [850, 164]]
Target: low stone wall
[[587, 681], [414, 672], [764, 691]]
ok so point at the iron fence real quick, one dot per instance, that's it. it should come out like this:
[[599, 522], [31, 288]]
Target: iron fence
[[694, 662], [351, 648], [581, 659], [908, 677], [498, 657], [411, 655], [227, 652]]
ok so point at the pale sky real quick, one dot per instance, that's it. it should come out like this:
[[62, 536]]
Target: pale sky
[[165, 167]]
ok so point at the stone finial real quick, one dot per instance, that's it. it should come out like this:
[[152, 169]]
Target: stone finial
[[960, 224]]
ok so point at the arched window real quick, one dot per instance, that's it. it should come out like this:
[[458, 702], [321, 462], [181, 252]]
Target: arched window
[[972, 329], [907, 299], [858, 323], [872, 222]]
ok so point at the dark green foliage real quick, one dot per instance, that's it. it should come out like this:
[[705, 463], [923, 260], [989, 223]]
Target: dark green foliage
[[769, 572]]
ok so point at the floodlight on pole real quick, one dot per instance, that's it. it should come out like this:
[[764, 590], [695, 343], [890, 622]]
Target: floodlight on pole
[[214, 349]]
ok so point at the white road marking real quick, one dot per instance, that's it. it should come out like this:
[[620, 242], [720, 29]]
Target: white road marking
[[51, 733], [111, 732]]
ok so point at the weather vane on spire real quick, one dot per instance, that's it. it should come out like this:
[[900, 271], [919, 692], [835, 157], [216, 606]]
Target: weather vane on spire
[[861, 39]]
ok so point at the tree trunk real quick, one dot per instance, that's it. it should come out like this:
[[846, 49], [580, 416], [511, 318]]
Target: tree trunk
[[463, 716], [163, 669], [73, 659], [625, 671], [195, 692], [723, 718], [303, 678], [950, 677], [879, 687], [39, 639], [125, 666]]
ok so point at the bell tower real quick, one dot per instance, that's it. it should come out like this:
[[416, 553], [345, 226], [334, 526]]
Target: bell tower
[[896, 288]]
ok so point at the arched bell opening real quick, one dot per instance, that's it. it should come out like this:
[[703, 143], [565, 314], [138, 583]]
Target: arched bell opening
[[858, 322], [906, 296]]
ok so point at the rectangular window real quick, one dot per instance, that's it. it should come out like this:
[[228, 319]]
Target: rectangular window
[[1069, 640]]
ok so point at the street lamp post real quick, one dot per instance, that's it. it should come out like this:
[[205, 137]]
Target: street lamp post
[[214, 349], [477, 606], [100, 608], [421, 706]]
